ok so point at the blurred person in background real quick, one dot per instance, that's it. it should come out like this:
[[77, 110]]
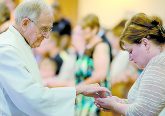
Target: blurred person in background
[[144, 39], [61, 25], [122, 71], [22, 92], [62, 31], [4, 14], [58, 49], [66, 75], [93, 61], [47, 69], [8, 13]]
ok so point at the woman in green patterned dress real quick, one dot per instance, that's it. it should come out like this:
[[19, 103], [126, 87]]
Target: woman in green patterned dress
[[93, 64]]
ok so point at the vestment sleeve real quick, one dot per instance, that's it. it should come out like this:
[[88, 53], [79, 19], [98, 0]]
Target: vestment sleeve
[[27, 94]]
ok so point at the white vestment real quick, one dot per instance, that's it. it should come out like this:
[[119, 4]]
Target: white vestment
[[21, 90]]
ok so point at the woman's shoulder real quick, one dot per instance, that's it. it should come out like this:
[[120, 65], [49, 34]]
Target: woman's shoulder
[[159, 59], [101, 45]]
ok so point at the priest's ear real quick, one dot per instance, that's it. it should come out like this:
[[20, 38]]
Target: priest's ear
[[25, 23]]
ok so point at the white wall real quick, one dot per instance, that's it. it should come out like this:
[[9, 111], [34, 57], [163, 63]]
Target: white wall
[[112, 11]]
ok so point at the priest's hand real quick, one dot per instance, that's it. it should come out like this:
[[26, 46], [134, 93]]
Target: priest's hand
[[93, 90]]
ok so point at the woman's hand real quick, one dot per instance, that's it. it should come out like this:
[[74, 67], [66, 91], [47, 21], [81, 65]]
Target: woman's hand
[[108, 103], [112, 103]]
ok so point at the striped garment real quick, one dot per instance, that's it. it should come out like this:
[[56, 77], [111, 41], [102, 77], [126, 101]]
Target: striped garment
[[147, 95]]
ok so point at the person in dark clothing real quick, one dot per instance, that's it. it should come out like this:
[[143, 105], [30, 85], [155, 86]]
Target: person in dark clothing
[[62, 28]]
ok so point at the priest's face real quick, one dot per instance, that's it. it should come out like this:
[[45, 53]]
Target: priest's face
[[38, 30]]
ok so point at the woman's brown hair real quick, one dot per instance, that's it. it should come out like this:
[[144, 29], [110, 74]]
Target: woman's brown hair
[[91, 21], [143, 26]]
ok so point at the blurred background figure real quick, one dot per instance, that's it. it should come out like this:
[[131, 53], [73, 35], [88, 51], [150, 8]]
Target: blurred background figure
[[62, 31], [7, 13], [93, 61], [47, 68], [57, 51], [47, 54], [61, 24], [123, 73], [4, 12]]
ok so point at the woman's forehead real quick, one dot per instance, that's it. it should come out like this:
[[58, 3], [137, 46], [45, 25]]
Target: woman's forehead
[[127, 46]]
